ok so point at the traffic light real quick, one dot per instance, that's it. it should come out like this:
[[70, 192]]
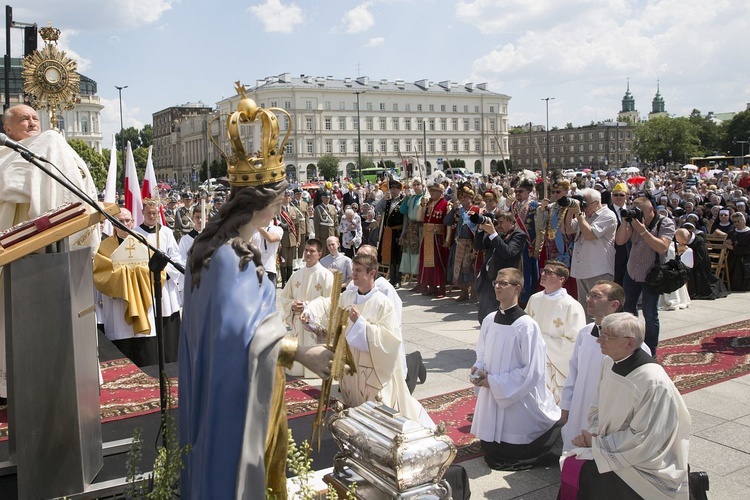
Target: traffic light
[[29, 40]]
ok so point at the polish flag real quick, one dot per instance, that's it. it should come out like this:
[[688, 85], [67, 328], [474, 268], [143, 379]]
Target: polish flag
[[149, 188], [110, 190], [133, 201]]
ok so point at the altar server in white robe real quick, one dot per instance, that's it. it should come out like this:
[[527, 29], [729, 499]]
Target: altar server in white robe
[[26, 192], [604, 298], [187, 240], [560, 317], [171, 299], [306, 284], [373, 334], [516, 417], [639, 425]]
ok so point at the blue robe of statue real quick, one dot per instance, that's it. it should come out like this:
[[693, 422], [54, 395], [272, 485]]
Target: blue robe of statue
[[228, 350]]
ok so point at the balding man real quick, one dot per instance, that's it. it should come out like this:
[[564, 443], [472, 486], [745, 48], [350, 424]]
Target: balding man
[[702, 283], [26, 192]]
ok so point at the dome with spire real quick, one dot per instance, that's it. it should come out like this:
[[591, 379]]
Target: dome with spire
[[657, 105], [628, 102]]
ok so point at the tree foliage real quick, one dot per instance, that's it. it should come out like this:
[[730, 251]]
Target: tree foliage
[[456, 163], [146, 135], [93, 159], [737, 129], [328, 167], [667, 139], [708, 132], [131, 134]]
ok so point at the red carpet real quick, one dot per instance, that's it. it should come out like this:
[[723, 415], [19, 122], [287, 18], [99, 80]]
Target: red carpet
[[705, 358]]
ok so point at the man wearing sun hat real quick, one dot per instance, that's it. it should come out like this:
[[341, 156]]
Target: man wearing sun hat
[[619, 200]]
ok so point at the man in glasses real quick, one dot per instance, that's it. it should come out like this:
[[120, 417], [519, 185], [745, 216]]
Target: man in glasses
[[516, 417], [560, 317], [637, 441], [550, 220], [524, 211], [619, 201]]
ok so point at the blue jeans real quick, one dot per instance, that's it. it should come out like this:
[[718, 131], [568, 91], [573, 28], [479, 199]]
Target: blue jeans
[[649, 306]]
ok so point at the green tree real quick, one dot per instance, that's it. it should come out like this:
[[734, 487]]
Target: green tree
[[738, 129], [328, 166], [708, 132], [140, 156], [667, 139], [94, 160], [131, 134], [147, 135], [457, 163]]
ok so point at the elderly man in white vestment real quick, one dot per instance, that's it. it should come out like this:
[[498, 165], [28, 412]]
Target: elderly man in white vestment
[[639, 425], [373, 334], [26, 192], [516, 417], [306, 284], [560, 317]]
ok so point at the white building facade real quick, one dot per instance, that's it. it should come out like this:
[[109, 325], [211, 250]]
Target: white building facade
[[434, 122]]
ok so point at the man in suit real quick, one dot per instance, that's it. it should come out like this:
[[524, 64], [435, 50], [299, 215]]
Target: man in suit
[[391, 225], [288, 221], [619, 198], [303, 219]]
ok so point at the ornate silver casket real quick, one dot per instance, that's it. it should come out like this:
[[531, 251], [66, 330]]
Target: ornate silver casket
[[397, 456]]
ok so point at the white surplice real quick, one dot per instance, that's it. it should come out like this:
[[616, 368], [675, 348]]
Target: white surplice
[[306, 284], [171, 299], [517, 408], [560, 318], [377, 346]]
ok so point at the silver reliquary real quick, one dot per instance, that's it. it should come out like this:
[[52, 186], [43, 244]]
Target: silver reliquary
[[388, 455]]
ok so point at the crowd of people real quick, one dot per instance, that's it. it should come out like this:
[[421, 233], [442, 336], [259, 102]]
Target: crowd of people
[[549, 263]]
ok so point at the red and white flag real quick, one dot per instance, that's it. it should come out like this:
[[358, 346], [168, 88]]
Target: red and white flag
[[133, 200], [110, 190], [150, 189]]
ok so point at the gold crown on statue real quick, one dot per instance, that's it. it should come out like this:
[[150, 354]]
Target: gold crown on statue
[[265, 166]]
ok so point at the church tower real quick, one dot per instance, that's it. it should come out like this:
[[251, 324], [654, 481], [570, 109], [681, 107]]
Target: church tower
[[628, 113], [657, 105]]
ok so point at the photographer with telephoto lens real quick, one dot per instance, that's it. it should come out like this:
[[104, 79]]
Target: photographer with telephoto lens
[[650, 236]]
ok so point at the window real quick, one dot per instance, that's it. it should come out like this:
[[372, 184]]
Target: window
[[476, 109], [580, 136], [420, 145], [492, 125], [383, 124], [443, 124], [356, 124], [492, 109], [368, 123], [342, 106], [310, 147], [370, 146], [442, 108], [273, 104], [342, 146], [466, 124], [420, 124], [408, 107], [356, 146], [369, 106], [308, 123], [308, 104], [455, 145], [289, 148], [432, 145], [329, 146], [455, 108], [591, 147], [580, 148], [477, 146], [419, 107], [466, 109], [454, 124], [84, 124], [328, 124], [287, 104], [394, 122], [407, 123], [601, 147], [342, 123], [383, 145], [444, 145], [571, 137], [591, 135], [432, 124], [601, 135], [432, 107], [382, 106], [328, 105], [356, 106], [407, 146], [395, 106], [493, 146], [467, 146], [477, 124]]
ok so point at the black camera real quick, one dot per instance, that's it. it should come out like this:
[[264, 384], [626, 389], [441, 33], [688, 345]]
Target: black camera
[[566, 201], [632, 213], [480, 219]]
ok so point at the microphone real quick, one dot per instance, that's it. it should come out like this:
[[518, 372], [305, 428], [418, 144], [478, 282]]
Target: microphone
[[20, 148]]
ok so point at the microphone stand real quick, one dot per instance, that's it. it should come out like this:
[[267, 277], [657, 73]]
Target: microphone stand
[[157, 263]]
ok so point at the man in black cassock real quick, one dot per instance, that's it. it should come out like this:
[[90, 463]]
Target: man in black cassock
[[702, 283]]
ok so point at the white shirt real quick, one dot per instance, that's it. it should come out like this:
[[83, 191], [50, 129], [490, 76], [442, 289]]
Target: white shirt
[[594, 257], [267, 249]]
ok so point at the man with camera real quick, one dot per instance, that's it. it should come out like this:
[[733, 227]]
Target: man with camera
[[593, 226], [650, 236]]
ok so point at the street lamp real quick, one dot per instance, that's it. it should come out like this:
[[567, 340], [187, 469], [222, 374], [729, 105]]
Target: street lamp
[[547, 99], [742, 146], [122, 134], [359, 137]]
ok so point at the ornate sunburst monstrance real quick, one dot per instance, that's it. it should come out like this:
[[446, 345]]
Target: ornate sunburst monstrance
[[49, 76]]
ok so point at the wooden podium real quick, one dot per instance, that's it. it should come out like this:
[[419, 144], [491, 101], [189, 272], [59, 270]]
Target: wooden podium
[[53, 380]]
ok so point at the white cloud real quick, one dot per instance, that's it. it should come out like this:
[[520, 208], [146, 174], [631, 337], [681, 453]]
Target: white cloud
[[64, 45], [110, 15], [110, 117], [359, 19], [278, 18], [374, 42]]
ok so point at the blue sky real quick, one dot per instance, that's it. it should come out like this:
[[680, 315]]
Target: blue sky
[[581, 52]]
